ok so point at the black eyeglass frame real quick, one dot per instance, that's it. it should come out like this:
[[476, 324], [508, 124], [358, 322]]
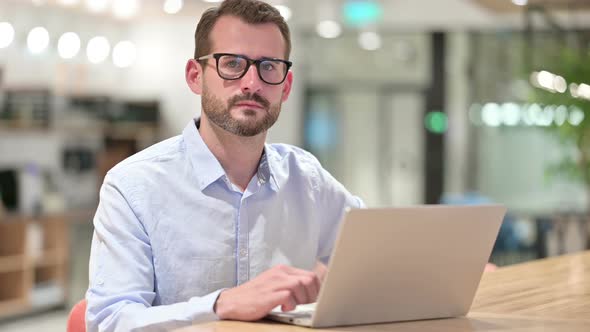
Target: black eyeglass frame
[[249, 63]]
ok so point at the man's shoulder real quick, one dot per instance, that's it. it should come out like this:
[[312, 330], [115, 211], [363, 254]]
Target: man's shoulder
[[290, 162], [291, 153], [293, 165], [162, 154]]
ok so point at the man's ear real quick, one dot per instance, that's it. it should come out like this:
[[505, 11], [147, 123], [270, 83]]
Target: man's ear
[[193, 74], [287, 86]]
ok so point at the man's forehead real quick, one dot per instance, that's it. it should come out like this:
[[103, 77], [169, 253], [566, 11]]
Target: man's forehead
[[233, 35], [230, 21]]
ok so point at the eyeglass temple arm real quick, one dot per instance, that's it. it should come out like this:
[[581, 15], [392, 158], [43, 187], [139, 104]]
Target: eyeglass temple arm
[[204, 57]]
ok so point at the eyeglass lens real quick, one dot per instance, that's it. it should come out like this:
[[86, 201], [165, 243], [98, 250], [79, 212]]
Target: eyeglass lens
[[232, 67]]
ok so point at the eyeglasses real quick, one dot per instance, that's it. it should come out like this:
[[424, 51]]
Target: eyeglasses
[[233, 67]]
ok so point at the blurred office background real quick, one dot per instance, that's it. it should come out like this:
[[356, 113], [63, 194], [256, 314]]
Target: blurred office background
[[404, 101]]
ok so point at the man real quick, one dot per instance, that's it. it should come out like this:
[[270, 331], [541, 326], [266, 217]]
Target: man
[[214, 223]]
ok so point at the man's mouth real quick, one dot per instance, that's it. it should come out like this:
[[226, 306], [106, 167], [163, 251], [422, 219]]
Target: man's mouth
[[250, 104]]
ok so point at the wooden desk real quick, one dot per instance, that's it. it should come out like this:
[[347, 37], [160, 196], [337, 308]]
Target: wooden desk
[[545, 295]]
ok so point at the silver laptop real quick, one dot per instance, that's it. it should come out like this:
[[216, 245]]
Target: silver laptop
[[400, 264]]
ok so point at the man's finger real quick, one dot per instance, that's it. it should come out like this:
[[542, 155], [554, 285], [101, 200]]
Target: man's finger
[[311, 286], [294, 271], [283, 298], [295, 285], [308, 280]]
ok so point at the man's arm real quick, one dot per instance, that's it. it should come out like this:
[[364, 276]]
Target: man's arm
[[121, 290]]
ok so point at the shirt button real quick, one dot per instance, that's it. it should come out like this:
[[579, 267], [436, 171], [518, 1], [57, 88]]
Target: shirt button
[[243, 252]]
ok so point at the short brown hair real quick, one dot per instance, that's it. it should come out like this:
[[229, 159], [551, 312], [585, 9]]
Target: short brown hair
[[250, 11]]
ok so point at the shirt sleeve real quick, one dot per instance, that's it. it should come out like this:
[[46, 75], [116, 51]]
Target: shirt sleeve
[[334, 199], [121, 286]]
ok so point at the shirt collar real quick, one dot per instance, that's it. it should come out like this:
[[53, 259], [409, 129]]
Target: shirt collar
[[207, 167], [265, 169]]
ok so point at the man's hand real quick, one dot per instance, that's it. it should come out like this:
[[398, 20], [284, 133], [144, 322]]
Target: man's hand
[[320, 269], [282, 285]]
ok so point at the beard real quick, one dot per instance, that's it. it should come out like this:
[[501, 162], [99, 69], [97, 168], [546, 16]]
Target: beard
[[220, 114]]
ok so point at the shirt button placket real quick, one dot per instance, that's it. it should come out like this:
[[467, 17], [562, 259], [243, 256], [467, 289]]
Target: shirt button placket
[[243, 253], [243, 264]]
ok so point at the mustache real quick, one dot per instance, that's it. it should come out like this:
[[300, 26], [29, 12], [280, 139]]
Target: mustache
[[248, 97]]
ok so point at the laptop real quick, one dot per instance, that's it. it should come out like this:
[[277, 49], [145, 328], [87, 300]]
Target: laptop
[[401, 264]]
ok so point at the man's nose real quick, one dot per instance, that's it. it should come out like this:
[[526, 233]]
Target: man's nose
[[251, 82]]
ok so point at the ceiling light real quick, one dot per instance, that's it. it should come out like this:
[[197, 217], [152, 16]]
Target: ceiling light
[[520, 2], [98, 49], [285, 11], [97, 6], [124, 54], [68, 2], [545, 79], [560, 115], [328, 29], [559, 84], [574, 90], [584, 91], [172, 6], [38, 40], [369, 40], [6, 34], [576, 116], [125, 9], [68, 45], [510, 114], [490, 115]]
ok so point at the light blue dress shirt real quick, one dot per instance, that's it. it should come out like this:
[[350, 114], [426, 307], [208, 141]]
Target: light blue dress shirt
[[171, 231]]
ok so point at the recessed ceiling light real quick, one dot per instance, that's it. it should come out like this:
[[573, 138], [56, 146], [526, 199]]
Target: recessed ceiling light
[[285, 11], [328, 29], [172, 6], [98, 49], [124, 54], [520, 2], [68, 45], [6, 34], [38, 40]]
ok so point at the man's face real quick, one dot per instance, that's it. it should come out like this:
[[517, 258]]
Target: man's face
[[247, 106]]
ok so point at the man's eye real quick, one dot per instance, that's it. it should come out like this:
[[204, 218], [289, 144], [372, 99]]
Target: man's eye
[[233, 64], [267, 66]]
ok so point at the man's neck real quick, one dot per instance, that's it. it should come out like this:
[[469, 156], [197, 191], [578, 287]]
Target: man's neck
[[239, 156]]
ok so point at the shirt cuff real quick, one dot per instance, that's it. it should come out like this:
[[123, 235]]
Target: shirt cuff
[[202, 307]]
